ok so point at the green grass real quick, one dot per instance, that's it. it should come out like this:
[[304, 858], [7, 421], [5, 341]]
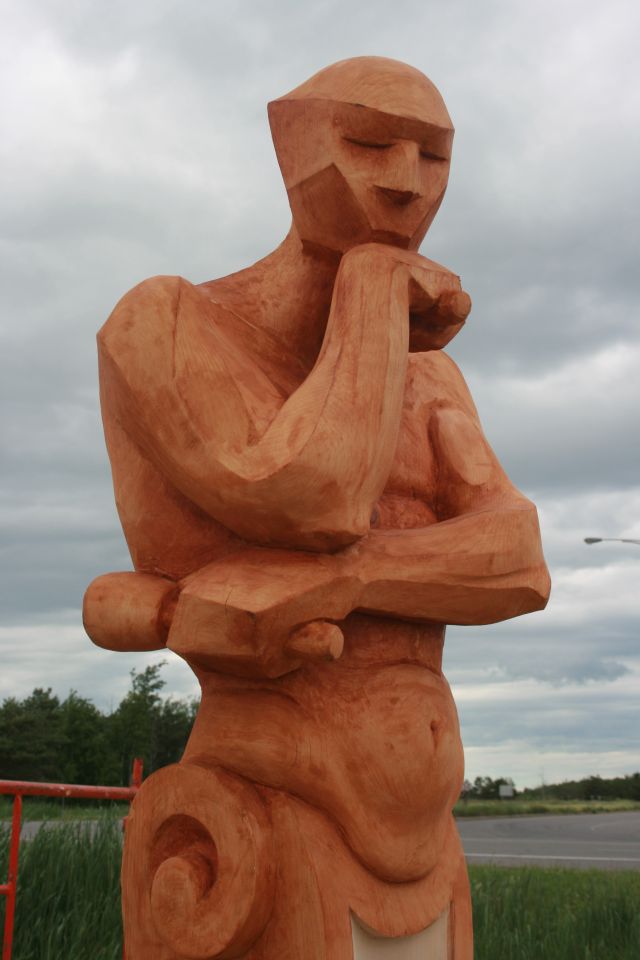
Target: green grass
[[68, 900], [551, 914], [37, 808], [69, 907], [43, 808], [511, 808]]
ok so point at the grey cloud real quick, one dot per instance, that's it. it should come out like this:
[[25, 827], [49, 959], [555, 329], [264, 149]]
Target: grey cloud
[[555, 657], [595, 723]]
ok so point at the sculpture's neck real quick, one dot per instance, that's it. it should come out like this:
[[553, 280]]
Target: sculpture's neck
[[288, 293]]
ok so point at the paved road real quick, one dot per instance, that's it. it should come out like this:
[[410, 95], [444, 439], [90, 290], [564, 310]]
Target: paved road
[[609, 841], [31, 827]]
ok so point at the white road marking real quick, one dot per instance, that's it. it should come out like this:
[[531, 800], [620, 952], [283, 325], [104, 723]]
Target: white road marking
[[527, 856]]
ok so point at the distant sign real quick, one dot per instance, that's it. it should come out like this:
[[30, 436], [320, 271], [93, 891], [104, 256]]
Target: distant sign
[[505, 791]]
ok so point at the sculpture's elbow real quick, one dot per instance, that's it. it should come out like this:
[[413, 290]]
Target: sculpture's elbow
[[537, 574], [537, 589], [514, 595], [530, 580]]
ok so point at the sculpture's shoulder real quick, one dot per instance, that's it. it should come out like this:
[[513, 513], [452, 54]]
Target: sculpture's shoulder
[[163, 331], [435, 381], [143, 321]]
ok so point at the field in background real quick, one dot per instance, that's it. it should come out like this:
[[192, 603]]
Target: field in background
[[35, 808], [532, 913], [68, 904], [510, 808], [42, 808]]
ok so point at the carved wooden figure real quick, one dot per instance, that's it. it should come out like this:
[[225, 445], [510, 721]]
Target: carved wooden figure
[[308, 498]]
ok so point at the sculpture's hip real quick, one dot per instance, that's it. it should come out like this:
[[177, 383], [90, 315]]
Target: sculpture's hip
[[372, 740]]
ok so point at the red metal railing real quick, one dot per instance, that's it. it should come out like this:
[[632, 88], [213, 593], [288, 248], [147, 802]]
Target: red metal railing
[[25, 788]]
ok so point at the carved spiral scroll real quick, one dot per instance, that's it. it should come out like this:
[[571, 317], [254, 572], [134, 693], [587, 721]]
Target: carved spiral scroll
[[198, 864]]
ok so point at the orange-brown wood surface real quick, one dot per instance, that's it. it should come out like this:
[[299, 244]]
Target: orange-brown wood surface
[[308, 498]]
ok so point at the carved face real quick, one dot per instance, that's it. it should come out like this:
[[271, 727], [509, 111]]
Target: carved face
[[356, 172]]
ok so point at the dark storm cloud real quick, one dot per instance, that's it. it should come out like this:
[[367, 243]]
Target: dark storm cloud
[[136, 143]]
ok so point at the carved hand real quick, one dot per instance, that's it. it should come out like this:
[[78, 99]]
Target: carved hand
[[438, 307], [263, 612]]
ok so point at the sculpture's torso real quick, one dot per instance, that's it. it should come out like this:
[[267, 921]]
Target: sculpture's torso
[[371, 738], [169, 535]]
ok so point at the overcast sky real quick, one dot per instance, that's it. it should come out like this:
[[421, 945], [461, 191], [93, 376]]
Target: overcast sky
[[134, 141]]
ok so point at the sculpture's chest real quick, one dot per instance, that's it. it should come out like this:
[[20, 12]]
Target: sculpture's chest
[[409, 498]]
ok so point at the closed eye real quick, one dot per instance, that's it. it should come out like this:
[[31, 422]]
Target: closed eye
[[368, 143], [427, 155]]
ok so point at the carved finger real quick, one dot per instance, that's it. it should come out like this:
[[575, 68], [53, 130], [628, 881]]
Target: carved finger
[[454, 305], [318, 640]]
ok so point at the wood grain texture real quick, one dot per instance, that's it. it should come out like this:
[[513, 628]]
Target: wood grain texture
[[309, 498]]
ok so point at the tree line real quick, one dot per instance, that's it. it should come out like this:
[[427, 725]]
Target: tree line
[[589, 788], [72, 741]]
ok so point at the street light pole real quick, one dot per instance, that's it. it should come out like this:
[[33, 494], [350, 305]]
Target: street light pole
[[610, 540]]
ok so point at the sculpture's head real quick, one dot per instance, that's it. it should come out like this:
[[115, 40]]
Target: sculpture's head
[[364, 147]]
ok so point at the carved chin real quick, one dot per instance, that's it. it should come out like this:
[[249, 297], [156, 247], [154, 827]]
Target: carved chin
[[327, 213]]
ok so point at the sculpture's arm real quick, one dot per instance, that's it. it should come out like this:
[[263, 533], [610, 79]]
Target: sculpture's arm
[[479, 568], [481, 564], [255, 611], [262, 612], [173, 381]]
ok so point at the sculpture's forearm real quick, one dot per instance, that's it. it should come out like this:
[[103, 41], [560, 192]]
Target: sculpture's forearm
[[479, 568], [241, 613]]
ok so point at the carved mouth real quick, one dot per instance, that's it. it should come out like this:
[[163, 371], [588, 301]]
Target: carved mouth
[[398, 197]]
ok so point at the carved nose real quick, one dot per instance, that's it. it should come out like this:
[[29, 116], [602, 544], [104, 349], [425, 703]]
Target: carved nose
[[400, 197]]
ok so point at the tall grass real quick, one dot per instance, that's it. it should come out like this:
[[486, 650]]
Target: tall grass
[[64, 808], [69, 904], [530, 913], [510, 808]]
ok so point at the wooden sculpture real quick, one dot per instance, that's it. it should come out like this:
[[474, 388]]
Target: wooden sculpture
[[308, 499]]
